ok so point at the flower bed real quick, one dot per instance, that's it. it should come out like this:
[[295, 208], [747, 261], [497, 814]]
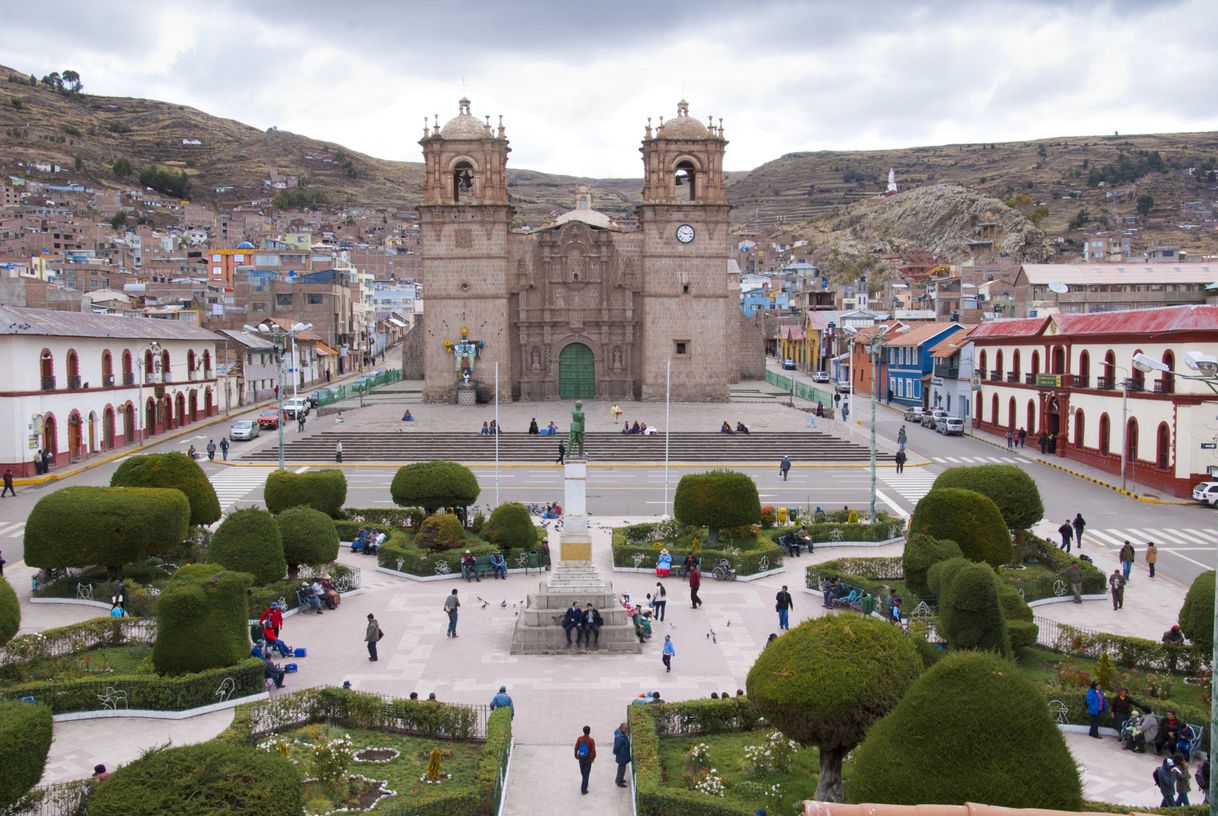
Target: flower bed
[[76, 638], [831, 533], [638, 546], [399, 553]]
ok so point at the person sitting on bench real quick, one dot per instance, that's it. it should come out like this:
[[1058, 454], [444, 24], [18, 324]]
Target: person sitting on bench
[[469, 567], [272, 672], [725, 427], [499, 565], [741, 428], [360, 541]]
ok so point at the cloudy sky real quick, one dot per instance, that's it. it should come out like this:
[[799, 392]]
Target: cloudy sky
[[576, 81]]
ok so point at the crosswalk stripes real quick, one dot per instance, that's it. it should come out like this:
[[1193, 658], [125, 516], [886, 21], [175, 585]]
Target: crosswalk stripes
[[12, 529], [981, 460], [234, 483], [1163, 537], [911, 485]]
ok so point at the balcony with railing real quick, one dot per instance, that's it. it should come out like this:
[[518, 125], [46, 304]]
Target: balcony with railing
[[1105, 383], [1012, 377], [1081, 381], [128, 378], [1163, 386], [995, 375], [74, 381], [48, 383], [1029, 379], [107, 380], [948, 372]]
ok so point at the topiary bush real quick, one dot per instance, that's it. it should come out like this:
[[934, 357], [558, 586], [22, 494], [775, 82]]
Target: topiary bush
[[940, 576], [931, 750], [323, 490], [443, 531], [106, 526], [434, 485], [203, 780], [716, 499], [10, 612], [309, 537], [201, 620], [970, 519], [176, 470], [1021, 626], [1197, 613], [826, 681], [249, 540], [921, 553], [970, 616], [511, 527], [25, 740], [1008, 486]]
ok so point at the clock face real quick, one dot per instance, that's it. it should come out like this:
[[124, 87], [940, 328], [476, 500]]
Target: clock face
[[685, 233]]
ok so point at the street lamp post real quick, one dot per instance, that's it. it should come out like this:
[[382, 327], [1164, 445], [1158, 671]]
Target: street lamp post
[[154, 347], [874, 344], [278, 335]]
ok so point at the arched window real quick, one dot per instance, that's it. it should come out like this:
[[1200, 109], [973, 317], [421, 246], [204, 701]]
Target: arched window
[[1163, 446], [1109, 370], [1015, 368], [107, 368], [46, 363], [1080, 427], [207, 364], [150, 417], [1131, 440], [1036, 362], [981, 359], [73, 364], [994, 409], [190, 364], [128, 374], [463, 182], [1084, 370], [977, 409], [1105, 433], [1059, 360], [149, 368], [999, 372], [1031, 426], [166, 370], [1137, 378], [1011, 414], [685, 182], [1167, 380]]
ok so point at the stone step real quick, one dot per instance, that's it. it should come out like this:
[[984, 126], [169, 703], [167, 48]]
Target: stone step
[[559, 600], [537, 617], [553, 640]]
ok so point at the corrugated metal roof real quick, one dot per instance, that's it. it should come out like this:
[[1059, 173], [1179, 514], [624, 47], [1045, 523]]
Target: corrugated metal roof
[[791, 333], [247, 339], [951, 344], [1196, 317], [921, 333], [1019, 327], [1083, 274], [53, 323]]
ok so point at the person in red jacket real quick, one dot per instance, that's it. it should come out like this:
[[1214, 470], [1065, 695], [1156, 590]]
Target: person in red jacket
[[585, 752], [273, 617], [695, 581]]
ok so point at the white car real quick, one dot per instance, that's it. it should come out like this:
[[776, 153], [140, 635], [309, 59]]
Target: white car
[[821, 377], [245, 429], [1207, 493], [296, 405], [950, 426]]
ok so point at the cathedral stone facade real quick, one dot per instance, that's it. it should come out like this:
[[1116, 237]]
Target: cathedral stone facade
[[580, 308]]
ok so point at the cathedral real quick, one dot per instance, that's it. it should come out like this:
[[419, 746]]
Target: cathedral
[[581, 308]]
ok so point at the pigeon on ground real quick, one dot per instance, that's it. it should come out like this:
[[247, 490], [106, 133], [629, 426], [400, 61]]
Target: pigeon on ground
[[484, 604], [503, 604], [714, 638]]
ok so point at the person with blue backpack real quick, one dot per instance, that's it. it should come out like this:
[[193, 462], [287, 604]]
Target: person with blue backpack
[[585, 753], [1097, 704]]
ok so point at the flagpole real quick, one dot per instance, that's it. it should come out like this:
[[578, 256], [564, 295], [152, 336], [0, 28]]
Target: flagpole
[[667, 414], [497, 431]]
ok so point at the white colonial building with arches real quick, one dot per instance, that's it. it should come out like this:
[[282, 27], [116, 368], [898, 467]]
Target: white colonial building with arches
[[79, 385]]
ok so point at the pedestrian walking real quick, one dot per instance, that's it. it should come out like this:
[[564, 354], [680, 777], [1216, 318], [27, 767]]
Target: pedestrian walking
[[451, 605], [1127, 556], [1097, 704], [661, 601], [502, 700], [1152, 555], [372, 636], [300, 421], [812, 420], [784, 467], [562, 455], [845, 411], [783, 604], [1079, 525], [585, 753], [1023, 437], [621, 753], [1183, 785], [1075, 576], [668, 653], [338, 452], [900, 459], [1116, 583], [224, 448], [8, 484], [211, 450], [1044, 442], [1067, 533], [1010, 438], [902, 438], [695, 581], [1164, 777], [2, 563]]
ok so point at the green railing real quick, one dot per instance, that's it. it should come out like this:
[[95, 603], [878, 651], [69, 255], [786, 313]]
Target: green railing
[[802, 390], [339, 393]]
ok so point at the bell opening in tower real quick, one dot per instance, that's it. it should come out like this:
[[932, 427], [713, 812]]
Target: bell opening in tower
[[463, 183], [685, 189]]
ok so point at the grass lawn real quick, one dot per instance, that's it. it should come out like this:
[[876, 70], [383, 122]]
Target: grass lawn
[[727, 757], [98, 662], [401, 774]]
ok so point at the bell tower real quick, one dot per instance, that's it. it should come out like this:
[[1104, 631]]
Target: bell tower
[[688, 296], [465, 222]]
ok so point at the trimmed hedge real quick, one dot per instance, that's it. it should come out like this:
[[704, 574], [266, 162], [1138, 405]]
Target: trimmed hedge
[[434, 485], [203, 780], [309, 537], [940, 576], [767, 555], [511, 526], [716, 499], [970, 616], [401, 547], [921, 553], [249, 540], [173, 470], [1132, 652], [971, 729], [25, 741], [443, 531], [201, 620], [970, 519], [74, 638], [1008, 486], [323, 490], [831, 532], [108, 526], [10, 612], [1197, 613]]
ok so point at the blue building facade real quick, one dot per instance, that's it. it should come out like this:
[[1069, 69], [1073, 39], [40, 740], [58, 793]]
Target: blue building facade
[[910, 363]]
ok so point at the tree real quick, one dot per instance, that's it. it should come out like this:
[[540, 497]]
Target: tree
[[25, 741], [443, 531], [971, 729], [249, 541], [1080, 219], [716, 499], [433, 485], [970, 616], [940, 576], [324, 490], [1008, 486], [510, 527], [1146, 203], [172, 470], [72, 80], [119, 220], [122, 168], [10, 613], [1197, 613], [53, 81], [827, 681], [105, 526], [309, 537], [921, 553], [967, 517], [201, 618]]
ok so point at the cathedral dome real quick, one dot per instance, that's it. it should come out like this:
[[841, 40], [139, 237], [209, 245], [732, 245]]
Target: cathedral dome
[[463, 125], [683, 127]]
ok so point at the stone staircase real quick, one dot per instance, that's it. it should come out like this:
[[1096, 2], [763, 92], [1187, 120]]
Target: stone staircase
[[747, 394], [803, 447], [539, 630]]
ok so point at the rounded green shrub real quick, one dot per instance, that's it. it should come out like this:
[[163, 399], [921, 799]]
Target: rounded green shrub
[[434, 485], [105, 526], [716, 499], [10, 612], [826, 681], [1197, 613], [309, 537], [921, 553], [323, 490], [212, 778], [176, 470], [939, 577], [443, 531], [1008, 486], [967, 517], [249, 540], [970, 616], [971, 729], [202, 621], [25, 741], [510, 527]]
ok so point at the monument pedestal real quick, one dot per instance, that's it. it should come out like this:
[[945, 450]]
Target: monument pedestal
[[574, 542], [467, 393]]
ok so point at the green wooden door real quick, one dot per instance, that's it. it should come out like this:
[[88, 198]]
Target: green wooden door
[[576, 372]]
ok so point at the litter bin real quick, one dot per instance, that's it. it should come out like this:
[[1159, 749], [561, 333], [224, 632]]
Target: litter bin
[[533, 561]]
